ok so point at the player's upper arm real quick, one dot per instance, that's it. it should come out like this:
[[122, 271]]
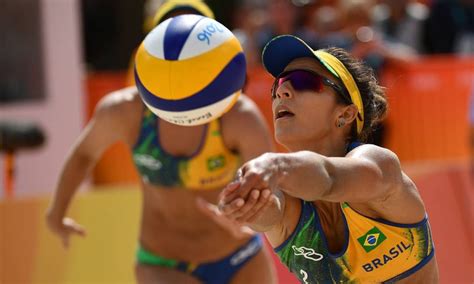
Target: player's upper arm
[[115, 118], [246, 131], [367, 173], [371, 178]]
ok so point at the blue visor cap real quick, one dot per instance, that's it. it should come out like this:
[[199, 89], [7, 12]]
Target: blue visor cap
[[281, 50]]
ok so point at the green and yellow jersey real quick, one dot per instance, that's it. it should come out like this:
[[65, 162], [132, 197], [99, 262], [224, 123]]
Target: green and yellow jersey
[[212, 166], [376, 250]]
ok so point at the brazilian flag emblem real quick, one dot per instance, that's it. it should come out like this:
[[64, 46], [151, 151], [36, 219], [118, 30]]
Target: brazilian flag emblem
[[216, 162], [372, 239]]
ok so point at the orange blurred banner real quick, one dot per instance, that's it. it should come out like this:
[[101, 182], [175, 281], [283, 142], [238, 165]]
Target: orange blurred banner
[[429, 100]]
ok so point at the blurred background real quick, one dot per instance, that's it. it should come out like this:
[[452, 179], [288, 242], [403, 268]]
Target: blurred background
[[58, 58]]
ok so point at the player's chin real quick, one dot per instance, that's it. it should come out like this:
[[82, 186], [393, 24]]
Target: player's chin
[[283, 135]]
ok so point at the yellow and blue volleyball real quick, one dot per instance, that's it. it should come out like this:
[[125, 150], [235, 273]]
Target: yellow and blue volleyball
[[189, 70]]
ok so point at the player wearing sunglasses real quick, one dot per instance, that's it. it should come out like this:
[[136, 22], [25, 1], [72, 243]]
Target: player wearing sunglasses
[[302, 79], [339, 211]]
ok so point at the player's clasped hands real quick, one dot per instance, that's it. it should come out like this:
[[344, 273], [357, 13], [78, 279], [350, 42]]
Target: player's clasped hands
[[244, 199]]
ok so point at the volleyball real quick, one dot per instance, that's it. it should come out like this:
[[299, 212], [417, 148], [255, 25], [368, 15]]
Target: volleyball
[[189, 70]]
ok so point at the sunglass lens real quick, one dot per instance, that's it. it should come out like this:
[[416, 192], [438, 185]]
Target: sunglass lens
[[302, 80]]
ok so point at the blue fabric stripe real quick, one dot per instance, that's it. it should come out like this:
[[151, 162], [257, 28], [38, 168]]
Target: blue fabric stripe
[[223, 270], [177, 33], [230, 80], [399, 225]]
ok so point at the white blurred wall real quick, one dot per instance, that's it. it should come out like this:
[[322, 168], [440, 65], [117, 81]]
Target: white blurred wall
[[60, 114]]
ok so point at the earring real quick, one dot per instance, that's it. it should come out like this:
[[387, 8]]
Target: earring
[[340, 123]]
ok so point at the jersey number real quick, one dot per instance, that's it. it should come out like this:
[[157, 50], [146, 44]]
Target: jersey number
[[305, 276]]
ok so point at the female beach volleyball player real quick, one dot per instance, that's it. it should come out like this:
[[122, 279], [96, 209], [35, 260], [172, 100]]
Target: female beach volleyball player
[[341, 211], [180, 240]]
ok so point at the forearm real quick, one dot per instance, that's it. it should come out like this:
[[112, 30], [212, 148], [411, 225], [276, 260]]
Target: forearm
[[72, 174], [304, 175]]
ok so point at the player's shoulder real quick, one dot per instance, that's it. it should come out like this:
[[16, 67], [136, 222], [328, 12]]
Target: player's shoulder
[[120, 102], [385, 158], [371, 151]]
